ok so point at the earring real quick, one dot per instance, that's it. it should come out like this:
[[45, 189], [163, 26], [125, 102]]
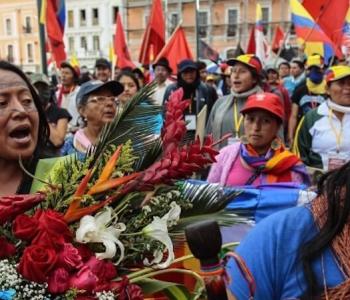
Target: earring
[[275, 144], [244, 139]]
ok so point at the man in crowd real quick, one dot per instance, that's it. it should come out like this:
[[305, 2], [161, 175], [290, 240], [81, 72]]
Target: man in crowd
[[67, 92], [308, 95], [297, 76], [194, 90], [203, 74], [284, 69], [162, 71], [103, 70]]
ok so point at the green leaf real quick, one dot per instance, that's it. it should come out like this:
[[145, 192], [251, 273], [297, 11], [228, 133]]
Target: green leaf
[[170, 289], [43, 169]]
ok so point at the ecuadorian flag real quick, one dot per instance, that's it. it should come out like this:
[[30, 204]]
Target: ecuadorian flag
[[309, 32]]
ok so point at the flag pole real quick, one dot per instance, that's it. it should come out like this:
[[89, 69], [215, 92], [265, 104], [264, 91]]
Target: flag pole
[[197, 29], [42, 40]]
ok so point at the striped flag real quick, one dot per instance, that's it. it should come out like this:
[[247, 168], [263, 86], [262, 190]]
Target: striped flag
[[310, 33]]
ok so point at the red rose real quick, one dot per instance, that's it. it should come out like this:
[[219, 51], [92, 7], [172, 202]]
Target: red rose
[[37, 262], [125, 290], [84, 252], [53, 231], [25, 227], [104, 270], [58, 281], [6, 249], [69, 257], [84, 280]]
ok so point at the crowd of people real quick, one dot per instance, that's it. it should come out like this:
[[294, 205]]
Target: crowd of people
[[274, 124]]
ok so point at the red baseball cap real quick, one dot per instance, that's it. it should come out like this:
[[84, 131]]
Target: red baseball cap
[[265, 101]]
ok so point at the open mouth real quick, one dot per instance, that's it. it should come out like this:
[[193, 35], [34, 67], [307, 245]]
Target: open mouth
[[109, 114], [21, 134]]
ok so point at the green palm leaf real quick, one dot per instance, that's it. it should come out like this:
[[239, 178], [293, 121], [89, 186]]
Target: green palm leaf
[[208, 202], [205, 197], [136, 122]]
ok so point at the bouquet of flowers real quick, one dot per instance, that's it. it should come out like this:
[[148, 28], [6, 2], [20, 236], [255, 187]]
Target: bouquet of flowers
[[102, 227]]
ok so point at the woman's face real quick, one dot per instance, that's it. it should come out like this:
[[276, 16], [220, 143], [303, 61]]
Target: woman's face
[[242, 78], [19, 118], [100, 108], [260, 127], [130, 89], [339, 91]]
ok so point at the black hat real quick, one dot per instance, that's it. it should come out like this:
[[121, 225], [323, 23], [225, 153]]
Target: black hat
[[163, 61], [102, 62], [186, 64], [93, 85]]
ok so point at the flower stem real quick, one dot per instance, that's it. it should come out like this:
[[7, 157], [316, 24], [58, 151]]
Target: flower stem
[[173, 270], [131, 233], [177, 260]]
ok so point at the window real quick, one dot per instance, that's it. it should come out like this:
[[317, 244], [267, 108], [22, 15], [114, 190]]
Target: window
[[96, 43], [232, 22], [115, 12], [28, 25], [82, 17], [71, 44], [10, 54], [265, 19], [202, 23], [174, 21], [70, 18], [83, 43], [95, 16], [8, 27], [30, 53]]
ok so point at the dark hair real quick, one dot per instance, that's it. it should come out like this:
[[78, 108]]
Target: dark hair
[[128, 74], [299, 63], [201, 65], [284, 63], [332, 186]]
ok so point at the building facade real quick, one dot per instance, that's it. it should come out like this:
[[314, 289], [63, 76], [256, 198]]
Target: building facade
[[19, 35], [221, 23], [90, 29]]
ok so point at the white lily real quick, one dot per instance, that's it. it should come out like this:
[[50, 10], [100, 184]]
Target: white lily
[[158, 230], [94, 230], [173, 215]]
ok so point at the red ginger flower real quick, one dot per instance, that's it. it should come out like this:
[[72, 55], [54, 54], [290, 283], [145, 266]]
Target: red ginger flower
[[12, 206], [174, 128], [178, 163]]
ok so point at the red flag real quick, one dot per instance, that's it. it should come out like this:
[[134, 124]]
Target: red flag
[[251, 47], [154, 37], [120, 47], [176, 49], [278, 39], [54, 34], [330, 16]]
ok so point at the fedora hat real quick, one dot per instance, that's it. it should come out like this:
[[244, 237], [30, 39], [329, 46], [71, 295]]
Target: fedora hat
[[164, 63]]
